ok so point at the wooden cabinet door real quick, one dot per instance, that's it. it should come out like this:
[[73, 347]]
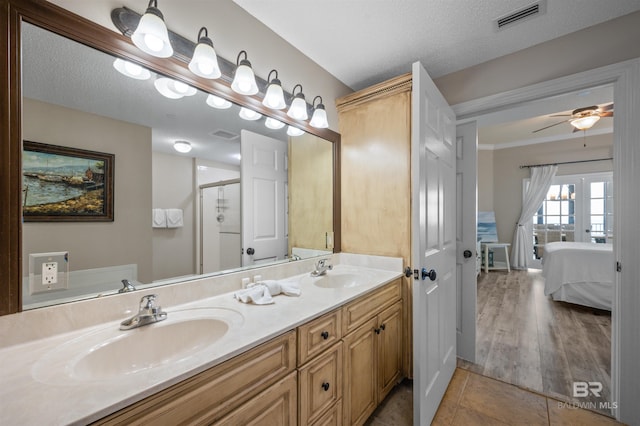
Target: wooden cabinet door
[[389, 349], [278, 405], [360, 370], [320, 384]]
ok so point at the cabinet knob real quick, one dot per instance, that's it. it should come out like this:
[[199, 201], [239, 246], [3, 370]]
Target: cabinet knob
[[383, 326], [377, 330], [325, 386], [325, 335]]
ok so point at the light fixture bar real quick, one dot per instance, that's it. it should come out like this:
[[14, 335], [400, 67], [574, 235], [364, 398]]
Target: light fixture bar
[[126, 21]]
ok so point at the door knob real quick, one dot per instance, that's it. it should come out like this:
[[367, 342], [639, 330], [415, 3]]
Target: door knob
[[431, 274], [250, 251], [467, 254]]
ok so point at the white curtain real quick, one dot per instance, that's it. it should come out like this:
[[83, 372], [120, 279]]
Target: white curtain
[[522, 247]]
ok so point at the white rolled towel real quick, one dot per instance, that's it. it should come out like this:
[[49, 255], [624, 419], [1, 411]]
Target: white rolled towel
[[174, 218], [159, 218], [256, 294], [287, 288]]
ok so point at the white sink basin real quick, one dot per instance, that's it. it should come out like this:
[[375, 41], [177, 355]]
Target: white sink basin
[[110, 353], [341, 277]]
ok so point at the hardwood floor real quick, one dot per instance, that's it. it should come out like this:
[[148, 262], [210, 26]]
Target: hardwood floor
[[529, 340]]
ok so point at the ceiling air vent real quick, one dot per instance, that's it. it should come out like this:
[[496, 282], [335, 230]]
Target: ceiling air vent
[[535, 9], [224, 134]]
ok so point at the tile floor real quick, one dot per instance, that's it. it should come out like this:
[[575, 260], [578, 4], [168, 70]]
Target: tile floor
[[472, 399]]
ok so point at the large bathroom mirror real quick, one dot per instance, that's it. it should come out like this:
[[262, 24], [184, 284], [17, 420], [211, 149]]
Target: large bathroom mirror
[[176, 215]]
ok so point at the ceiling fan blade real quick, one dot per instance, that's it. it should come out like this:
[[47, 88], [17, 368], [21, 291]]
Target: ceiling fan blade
[[544, 128], [575, 129], [606, 107], [560, 115], [606, 114]]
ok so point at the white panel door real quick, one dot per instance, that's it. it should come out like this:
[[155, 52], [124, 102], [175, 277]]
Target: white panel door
[[433, 154], [466, 193], [263, 176]]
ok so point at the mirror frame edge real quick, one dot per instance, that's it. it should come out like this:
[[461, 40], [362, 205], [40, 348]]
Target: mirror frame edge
[[82, 30]]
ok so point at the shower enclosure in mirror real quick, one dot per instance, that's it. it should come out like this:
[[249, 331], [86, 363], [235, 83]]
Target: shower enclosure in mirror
[[245, 194]]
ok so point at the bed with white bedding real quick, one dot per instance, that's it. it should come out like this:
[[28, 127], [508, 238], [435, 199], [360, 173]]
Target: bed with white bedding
[[580, 273]]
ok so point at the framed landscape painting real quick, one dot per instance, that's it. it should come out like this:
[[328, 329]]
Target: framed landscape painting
[[61, 184]]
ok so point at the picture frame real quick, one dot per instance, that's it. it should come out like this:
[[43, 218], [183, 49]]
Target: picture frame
[[64, 184]]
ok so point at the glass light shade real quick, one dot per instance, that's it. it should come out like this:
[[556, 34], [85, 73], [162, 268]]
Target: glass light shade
[[585, 123], [173, 89], [244, 81], [294, 131], [319, 118], [204, 62], [298, 108], [249, 114], [274, 98], [274, 124], [151, 35], [182, 146], [131, 70], [217, 102]]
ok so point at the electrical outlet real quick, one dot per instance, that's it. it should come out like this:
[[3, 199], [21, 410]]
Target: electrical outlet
[[48, 272]]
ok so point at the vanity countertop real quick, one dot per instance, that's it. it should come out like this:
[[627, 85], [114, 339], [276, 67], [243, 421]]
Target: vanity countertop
[[36, 389]]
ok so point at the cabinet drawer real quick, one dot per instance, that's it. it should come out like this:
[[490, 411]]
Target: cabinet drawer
[[320, 384], [213, 393], [360, 311], [319, 334], [275, 406], [333, 417]]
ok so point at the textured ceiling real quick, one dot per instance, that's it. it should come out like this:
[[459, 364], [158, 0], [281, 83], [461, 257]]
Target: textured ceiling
[[362, 42]]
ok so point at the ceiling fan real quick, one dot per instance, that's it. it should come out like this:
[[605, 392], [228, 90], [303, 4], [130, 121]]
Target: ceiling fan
[[583, 118]]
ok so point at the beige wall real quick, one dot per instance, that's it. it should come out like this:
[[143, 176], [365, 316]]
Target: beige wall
[[173, 188], [232, 30], [310, 192], [604, 44], [504, 167], [97, 244]]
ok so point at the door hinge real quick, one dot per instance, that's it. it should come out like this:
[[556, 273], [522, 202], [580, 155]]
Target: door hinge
[[618, 267], [416, 274]]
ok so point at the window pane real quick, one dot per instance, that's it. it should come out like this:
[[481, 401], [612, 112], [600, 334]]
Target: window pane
[[597, 206], [553, 208], [554, 192], [597, 189], [555, 220]]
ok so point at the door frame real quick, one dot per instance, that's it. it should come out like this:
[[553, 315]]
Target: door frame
[[625, 336]]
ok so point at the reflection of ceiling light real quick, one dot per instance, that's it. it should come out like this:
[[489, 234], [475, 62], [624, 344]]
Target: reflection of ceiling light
[[237, 156], [182, 146], [274, 124], [319, 117], [585, 123], [274, 98], [151, 35], [294, 131], [217, 102], [173, 89], [244, 81], [249, 114], [204, 62], [298, 108], [131, 70]]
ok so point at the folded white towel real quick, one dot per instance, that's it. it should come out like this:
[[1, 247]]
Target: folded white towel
[[174, 218], [261, 293], [159, 218]]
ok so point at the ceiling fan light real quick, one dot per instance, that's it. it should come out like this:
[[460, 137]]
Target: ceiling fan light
[[249, 114], [273, 124], [217, 102], [585, 123], [131, 70], [244, 81], [204, 62], [182, 146], [151, 35], [294, 131]]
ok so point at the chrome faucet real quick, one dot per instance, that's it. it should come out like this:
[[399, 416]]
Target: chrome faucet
[[322, 266], [294, 257], [126, 287], [147, 314]]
